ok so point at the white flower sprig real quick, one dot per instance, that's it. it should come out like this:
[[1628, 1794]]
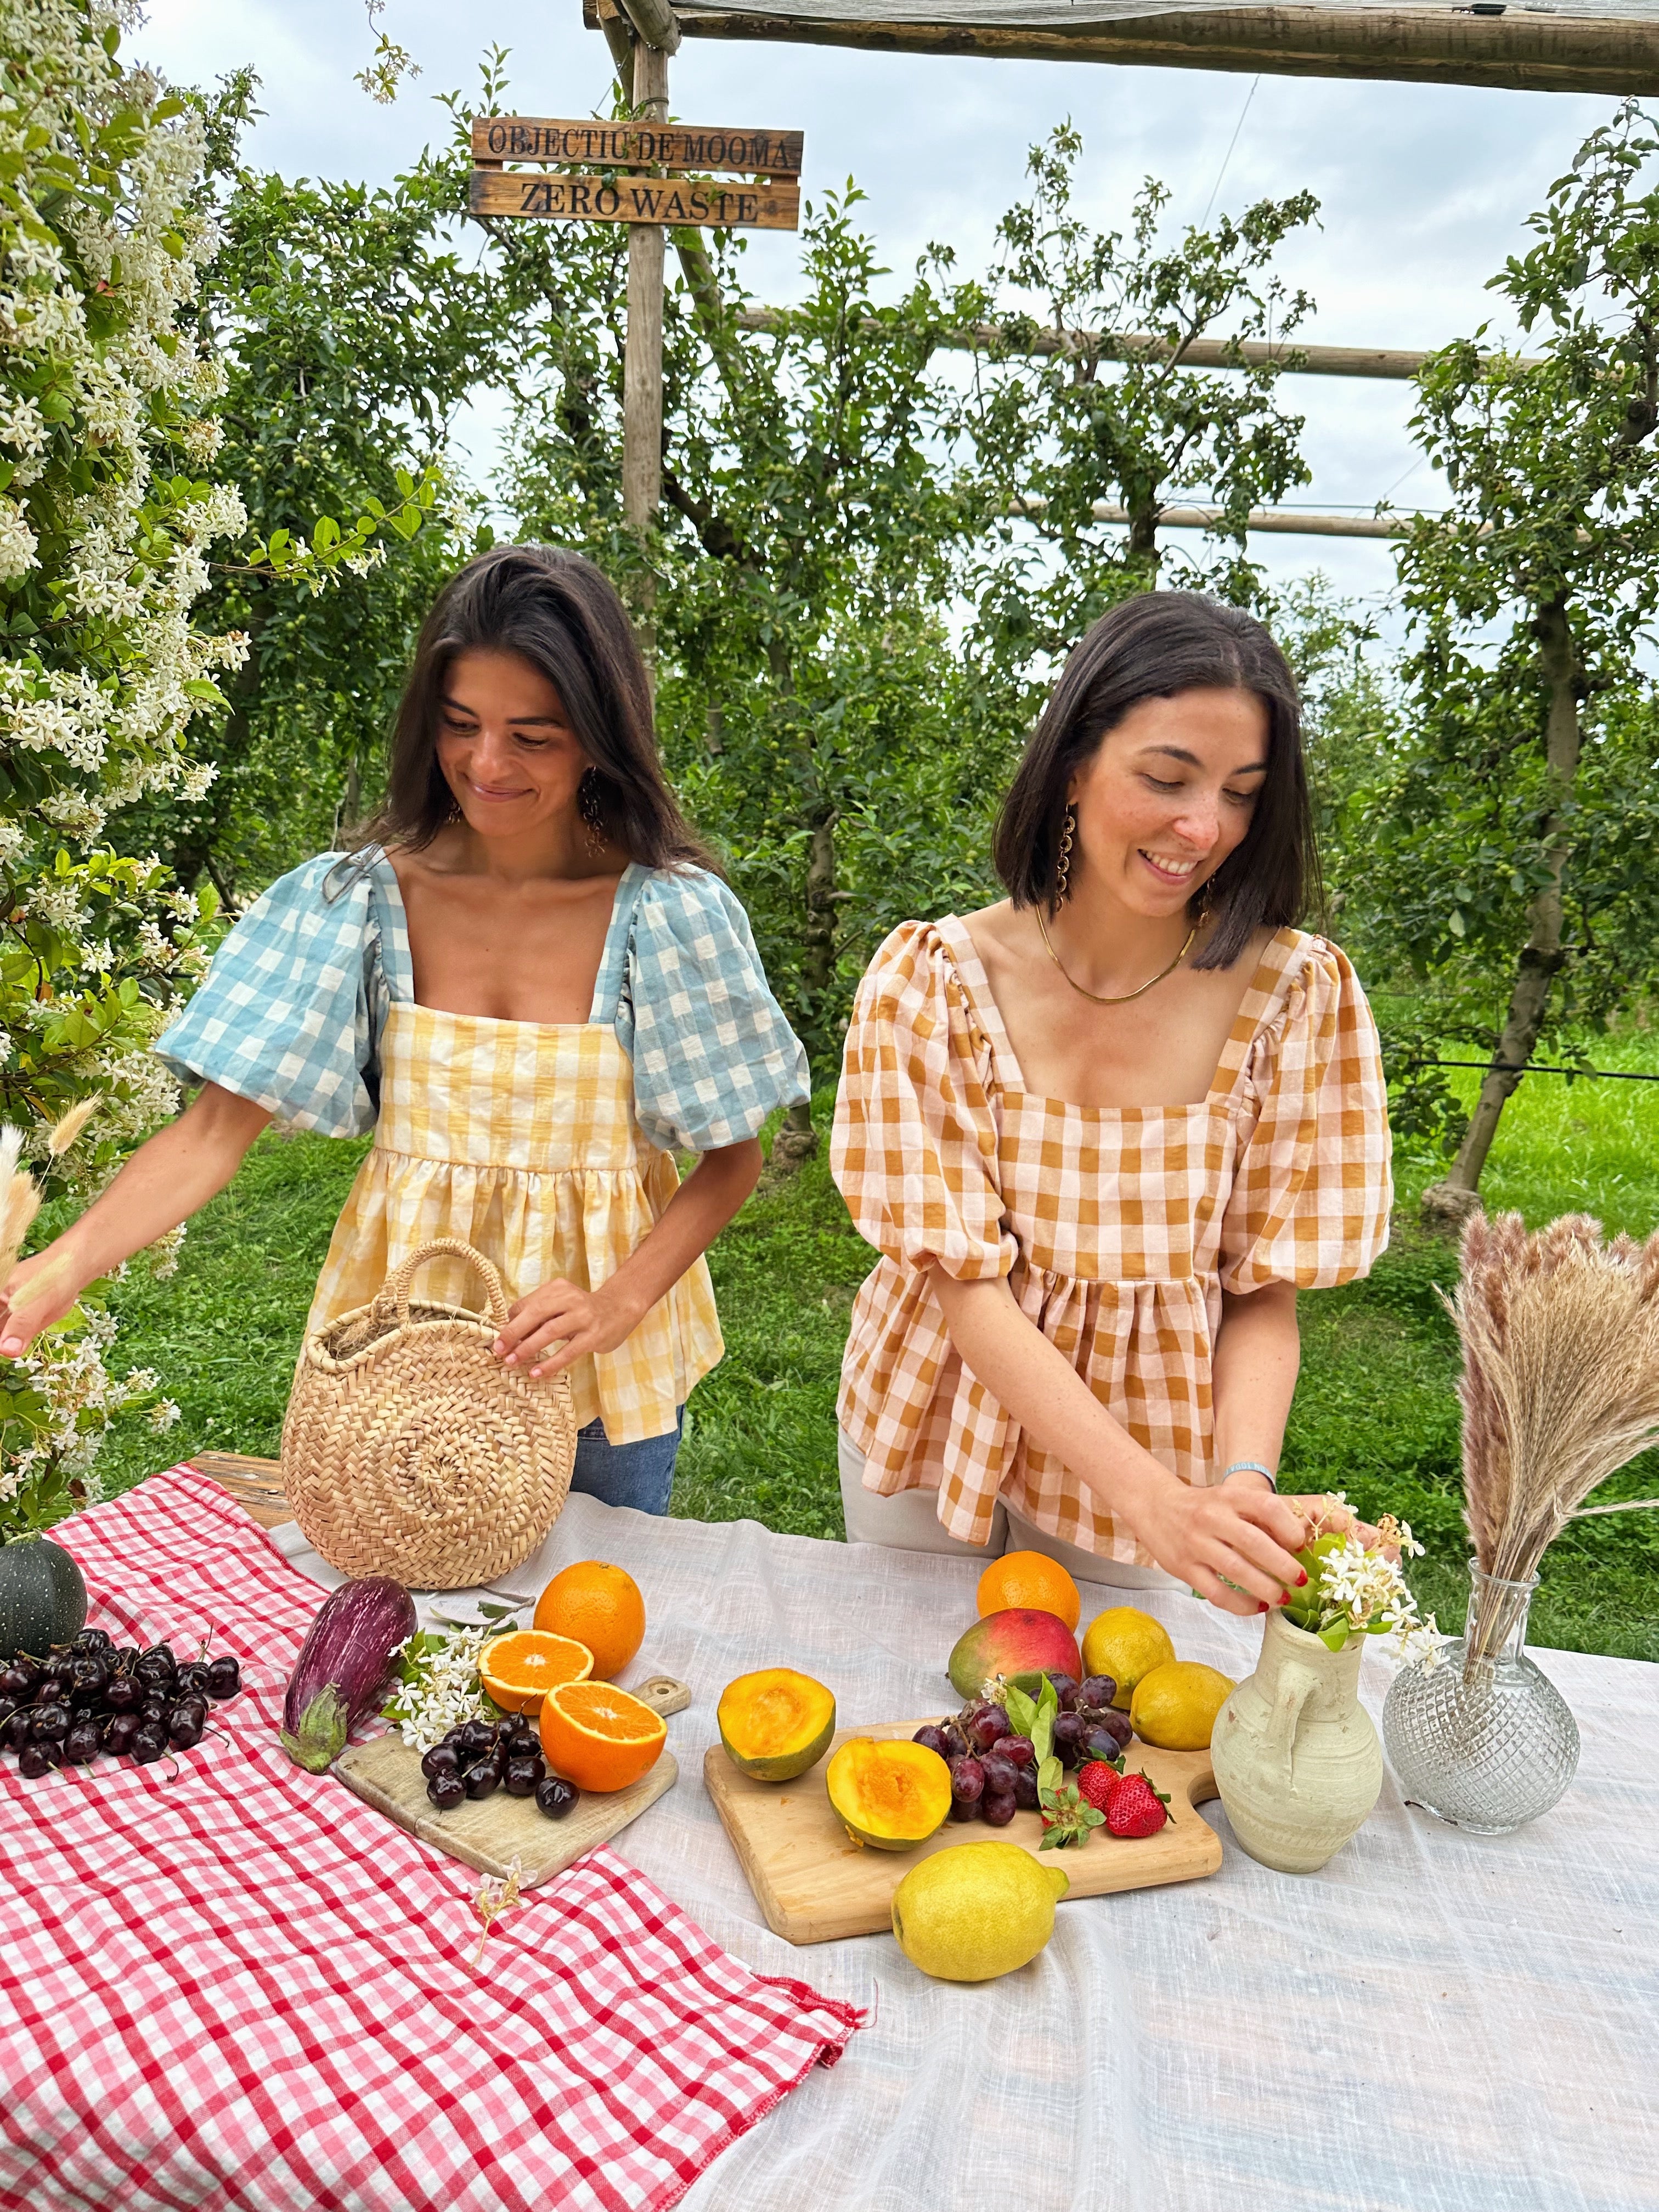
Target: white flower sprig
[[439, 1687], [1358, 1591]]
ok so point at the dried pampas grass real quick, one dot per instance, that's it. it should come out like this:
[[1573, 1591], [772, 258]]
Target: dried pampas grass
[[1560, 1384], [20, 1195]]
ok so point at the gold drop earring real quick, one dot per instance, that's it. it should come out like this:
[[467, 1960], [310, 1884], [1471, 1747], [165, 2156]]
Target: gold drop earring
[[587, 806]]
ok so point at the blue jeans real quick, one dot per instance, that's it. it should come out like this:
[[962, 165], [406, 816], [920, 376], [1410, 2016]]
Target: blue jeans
[[638, 1475]]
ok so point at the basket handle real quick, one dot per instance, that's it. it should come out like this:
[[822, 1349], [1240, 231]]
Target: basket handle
[[395, 1289]]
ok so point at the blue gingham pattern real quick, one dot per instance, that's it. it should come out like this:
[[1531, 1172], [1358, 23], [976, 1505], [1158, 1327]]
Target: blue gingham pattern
[[290, 1014]]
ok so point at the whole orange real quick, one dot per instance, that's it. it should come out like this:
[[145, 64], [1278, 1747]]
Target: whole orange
[[598, 1605], [1027, 1579]]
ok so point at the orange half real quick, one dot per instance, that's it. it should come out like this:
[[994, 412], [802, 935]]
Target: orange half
[[520, 1668], [598, 1737]]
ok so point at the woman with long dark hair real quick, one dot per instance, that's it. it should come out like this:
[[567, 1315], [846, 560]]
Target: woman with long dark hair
[[1102, 1132], [528, 982]]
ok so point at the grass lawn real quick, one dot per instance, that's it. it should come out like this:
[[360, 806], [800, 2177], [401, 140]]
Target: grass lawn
[[1375, 1413]]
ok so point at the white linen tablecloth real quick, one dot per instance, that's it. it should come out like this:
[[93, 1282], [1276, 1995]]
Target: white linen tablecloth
[[1435, 2022]]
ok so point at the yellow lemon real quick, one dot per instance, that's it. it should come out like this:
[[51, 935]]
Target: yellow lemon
[[976, 1910], [1175, 1705], [1126, 1643]]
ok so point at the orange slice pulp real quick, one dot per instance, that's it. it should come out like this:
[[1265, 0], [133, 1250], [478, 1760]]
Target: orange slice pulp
[[598, 1737], [520, 1668]]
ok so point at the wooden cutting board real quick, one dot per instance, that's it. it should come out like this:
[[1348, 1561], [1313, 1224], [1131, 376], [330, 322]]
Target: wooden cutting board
[[490, 1833], [815, 1885]]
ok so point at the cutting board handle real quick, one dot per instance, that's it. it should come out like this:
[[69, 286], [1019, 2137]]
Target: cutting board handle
[[664, 1693]]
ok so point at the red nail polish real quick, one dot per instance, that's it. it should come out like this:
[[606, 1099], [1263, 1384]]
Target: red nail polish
[[1302, 1580], [1261, 1605]]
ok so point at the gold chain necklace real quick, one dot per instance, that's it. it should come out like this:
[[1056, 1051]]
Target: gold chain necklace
[[1123, 999]]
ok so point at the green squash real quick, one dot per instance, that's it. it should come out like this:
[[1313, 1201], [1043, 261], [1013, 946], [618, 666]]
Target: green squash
[[42, 1598]]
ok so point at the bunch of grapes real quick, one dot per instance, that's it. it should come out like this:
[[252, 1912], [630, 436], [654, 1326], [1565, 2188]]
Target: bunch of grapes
[[88, 1697], [994, 1770], [480, 1757]]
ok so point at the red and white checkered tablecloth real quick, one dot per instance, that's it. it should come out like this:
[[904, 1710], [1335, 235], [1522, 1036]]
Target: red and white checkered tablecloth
[[224, 1982]]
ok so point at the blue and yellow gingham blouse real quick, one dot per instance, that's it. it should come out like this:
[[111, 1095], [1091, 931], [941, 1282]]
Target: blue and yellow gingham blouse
[[290, 1014]]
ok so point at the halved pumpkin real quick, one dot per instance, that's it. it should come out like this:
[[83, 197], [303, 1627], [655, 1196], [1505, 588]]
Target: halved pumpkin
[[776, 1723], [894, 1795]]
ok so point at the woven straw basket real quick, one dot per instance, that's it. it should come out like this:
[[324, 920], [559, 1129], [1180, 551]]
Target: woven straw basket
[[409, 1450]]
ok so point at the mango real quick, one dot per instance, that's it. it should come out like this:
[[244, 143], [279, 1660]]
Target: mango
[[1020, 1641]]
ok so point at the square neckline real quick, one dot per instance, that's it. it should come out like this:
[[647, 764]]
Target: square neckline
[[987, 1016], [607, 980]]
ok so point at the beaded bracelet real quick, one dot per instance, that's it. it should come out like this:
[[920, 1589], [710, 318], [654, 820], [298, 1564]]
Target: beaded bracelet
[[1253, 1466]]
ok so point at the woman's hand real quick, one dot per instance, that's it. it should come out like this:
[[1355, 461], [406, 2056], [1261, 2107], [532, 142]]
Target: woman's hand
[[1238, 1534], [582, 1322], [37, 1292]]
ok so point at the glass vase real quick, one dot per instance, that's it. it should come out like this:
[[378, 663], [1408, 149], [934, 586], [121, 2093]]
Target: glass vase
[[1482, 1738]]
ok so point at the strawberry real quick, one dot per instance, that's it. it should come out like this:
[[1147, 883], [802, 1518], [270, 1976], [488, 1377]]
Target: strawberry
[[1135, 1808], [1096, 1780]]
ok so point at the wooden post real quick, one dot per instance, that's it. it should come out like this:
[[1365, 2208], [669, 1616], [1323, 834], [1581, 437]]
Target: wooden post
[[642, 364]]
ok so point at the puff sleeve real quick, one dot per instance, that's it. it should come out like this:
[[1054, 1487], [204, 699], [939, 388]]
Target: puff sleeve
[[713, 1055], [1312, 1189], [287, 1015], [914, 1148]]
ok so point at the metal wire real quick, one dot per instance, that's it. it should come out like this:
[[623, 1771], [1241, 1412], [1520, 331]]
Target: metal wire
[[1539, 1067]]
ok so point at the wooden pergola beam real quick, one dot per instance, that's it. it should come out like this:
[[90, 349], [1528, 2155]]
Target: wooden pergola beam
[[1514, 52], [1264, 521], [1383, 363]]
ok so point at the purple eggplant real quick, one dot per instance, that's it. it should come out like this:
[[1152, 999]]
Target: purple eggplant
[[343, 1667]]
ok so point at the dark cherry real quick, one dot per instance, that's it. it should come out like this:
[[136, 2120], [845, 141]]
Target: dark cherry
[[556, 1796], [154, 1709], [49, 1721], [91, 1678], [192, 1679], [118, 1734], [477, 1737], [149, 1743], [483, 1778], [93, 1639], [38, 1759], [19, 1729], [83, 1744], [523, 1776], [524, 1745], [185, 1726], [442, 1759], [17, 1681], [7, 1707], [125, 1694], [224, 1678], [446, 1791]]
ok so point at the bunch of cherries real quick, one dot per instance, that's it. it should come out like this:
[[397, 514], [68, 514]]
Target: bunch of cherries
[[480, 1757], [994, 1770], [88, 1697]]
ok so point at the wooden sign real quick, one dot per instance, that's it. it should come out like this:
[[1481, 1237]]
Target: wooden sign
[[636, 145], [677, 203]]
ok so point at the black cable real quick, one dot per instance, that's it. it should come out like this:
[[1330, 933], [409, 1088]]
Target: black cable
[[1538, 1067]]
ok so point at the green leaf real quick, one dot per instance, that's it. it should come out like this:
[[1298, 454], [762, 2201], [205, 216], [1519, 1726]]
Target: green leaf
[[1021, 1710]]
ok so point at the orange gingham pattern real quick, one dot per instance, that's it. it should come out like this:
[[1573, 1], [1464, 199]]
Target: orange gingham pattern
[[520, 1138], [1118, 1228]]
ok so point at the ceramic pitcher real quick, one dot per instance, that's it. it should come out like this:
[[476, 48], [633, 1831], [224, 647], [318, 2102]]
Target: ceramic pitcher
[[1297, 1759]]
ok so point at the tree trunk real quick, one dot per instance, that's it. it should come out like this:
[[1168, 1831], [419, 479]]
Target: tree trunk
[[1142, 545], [1448, 1203]]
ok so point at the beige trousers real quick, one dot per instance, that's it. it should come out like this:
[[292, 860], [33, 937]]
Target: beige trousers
[[908, 1521]]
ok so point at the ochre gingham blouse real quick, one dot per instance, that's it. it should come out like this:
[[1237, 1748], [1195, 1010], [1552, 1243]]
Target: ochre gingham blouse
[[1118, 1228]]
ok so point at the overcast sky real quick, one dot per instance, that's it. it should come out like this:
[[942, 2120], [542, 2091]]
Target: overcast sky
[[1424, 191]]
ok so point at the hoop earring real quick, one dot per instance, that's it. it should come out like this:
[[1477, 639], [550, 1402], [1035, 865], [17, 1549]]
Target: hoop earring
[[587, 806], [1063, 860]]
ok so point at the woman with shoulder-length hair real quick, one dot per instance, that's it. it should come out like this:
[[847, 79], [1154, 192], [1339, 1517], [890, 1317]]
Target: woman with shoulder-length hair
[[528, 982], [1102, 1132]]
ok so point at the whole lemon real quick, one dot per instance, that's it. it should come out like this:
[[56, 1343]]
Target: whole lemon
[[976, 1910], [1126, 1643], [1174, 1705]]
